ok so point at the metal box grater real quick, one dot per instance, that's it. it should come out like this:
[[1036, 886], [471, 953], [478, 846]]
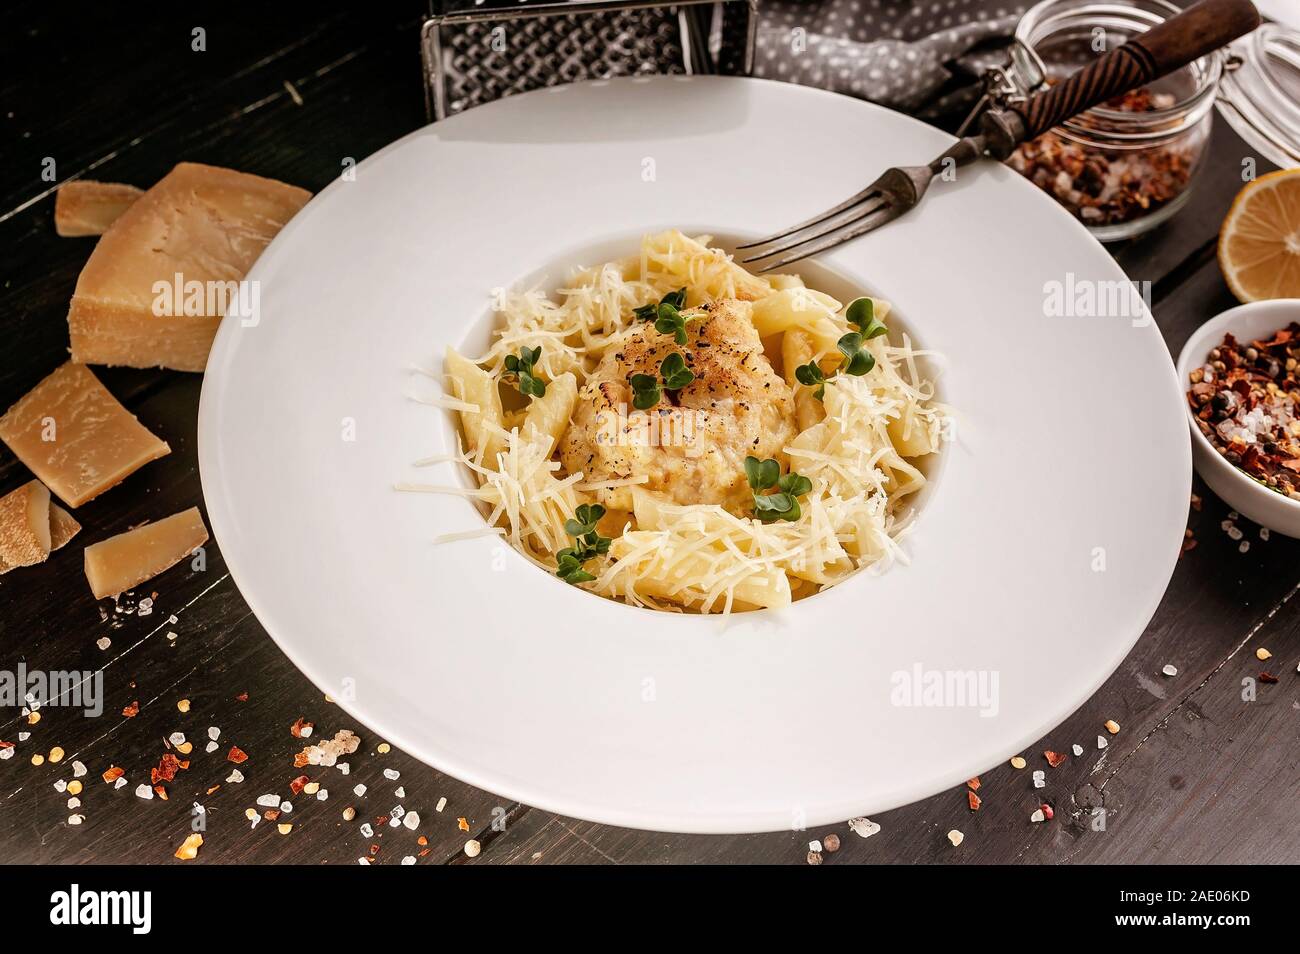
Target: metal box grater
[[475, 51]]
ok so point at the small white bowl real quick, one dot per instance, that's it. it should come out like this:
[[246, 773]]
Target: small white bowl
[[1244, 494]]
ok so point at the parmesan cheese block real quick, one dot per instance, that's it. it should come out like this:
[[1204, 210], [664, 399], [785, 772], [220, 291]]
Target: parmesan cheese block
[[63, 526], [89, 208], [24, 526], [163, 275], [31, 527], [119, 563], [75, 436]]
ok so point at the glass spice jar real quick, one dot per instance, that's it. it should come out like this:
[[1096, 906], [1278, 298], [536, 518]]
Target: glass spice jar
[[1128, 165]]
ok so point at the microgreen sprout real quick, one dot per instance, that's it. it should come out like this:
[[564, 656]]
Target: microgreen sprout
[[782, 505], [587, 543], [860, 313], [667, 315], [647, 389], [521, 368]]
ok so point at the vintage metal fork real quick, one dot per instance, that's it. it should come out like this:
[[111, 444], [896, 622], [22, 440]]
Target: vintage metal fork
[[1168, 46]]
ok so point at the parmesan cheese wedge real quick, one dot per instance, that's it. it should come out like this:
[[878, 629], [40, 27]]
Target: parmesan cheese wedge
[[83, 207], [76, 437], [31, 527], [160, 280], [119, 563], [63, 526], [24, 526]]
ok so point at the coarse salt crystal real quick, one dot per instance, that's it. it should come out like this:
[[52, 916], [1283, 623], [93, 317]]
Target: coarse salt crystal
[[408, 860], [211, 747], [814, 845], [392, 774], [1101, 742], [1077, 749], [76, 819], [400, 791], [863, 827], [1037, 815], [411, 820], [74, 802], [286, 807], [366, 830], [956, 837], [78, 769], [176, 738], [144, 791], [1040, 778], [268, 800], [121, 782], [214, 733], [359, 790], [322, 795], [60, 786], [442, 803], [103, 642], [1169, 669], [235, 777]]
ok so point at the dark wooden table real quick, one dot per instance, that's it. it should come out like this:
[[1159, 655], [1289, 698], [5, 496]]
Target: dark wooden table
[[1201, 771]]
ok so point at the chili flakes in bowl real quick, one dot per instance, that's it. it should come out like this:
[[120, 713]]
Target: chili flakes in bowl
[[1246, 400]]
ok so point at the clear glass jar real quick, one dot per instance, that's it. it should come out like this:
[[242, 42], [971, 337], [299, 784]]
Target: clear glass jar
[[1126, 166]]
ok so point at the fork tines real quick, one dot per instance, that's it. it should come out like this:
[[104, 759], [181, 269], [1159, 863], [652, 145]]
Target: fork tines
[[853, 217]]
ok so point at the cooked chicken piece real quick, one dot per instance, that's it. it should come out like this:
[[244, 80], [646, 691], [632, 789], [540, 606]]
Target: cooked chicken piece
[[692, 445]]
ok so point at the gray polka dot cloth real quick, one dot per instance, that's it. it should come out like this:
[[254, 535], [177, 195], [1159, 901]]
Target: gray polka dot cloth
[[922, 58]]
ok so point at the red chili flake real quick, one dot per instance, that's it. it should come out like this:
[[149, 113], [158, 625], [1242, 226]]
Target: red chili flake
[[297, 784], [236, 755], [425, 852], [298, 726], [974, 801], [1047, 811], [301, 759], [271, 814], [113, 773], [242, 697], [132, 710], [1238, 387], [374, 849], [422, 840], [463, 824], [1267, 677], [212, 789], [160, 792], [166, 770], [973, 784], [1054, 758], [6, 745]]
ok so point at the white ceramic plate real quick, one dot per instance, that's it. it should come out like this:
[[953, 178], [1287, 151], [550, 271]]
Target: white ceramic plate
[[1037, 561]]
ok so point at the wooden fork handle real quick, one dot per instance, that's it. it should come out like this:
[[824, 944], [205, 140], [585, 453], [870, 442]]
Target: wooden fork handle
[[1167, 46]]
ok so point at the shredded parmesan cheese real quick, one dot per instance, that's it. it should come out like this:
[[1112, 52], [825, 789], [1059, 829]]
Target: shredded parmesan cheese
[[859, 455]]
